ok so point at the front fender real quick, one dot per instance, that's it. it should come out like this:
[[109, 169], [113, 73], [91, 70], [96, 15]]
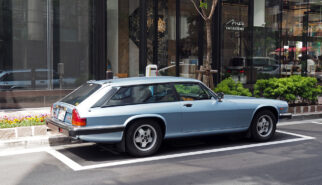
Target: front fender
[[269, 107]]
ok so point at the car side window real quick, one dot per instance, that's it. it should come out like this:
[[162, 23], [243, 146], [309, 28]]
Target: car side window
[[142, 94], [104, 100], [131, 95], [191, 92], [164, 93]]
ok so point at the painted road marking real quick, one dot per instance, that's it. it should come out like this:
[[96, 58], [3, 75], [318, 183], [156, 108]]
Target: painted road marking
[[72, 164], [316, 123], [23, 151], [41, 149], [299, 122], [77, 167]]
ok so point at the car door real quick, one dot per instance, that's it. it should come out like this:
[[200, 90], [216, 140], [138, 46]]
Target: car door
[[201, 111], [197, 107]]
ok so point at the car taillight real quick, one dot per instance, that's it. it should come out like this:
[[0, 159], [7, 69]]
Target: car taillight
[[76, 120], [242, 71]]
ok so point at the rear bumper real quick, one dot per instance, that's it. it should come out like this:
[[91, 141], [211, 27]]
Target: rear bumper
[[72, 131], [285, 116]]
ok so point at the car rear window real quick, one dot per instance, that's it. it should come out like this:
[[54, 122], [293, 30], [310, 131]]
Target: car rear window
[[237, 62], [80, 94], [260, 62]]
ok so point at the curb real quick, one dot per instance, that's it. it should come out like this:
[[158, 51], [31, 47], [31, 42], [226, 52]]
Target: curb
[[20, 132], [51, 139], [305, 116]]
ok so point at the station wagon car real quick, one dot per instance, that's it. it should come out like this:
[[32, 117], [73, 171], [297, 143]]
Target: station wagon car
[[139, 113]]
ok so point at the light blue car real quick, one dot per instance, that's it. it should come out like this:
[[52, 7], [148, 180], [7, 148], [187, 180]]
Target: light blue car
[[139, 113]]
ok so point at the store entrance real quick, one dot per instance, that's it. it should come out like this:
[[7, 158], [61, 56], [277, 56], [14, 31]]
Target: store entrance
[[235, 43]]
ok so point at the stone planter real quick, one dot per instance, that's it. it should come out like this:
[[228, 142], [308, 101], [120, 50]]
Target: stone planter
[[305, 109], [15, 133]]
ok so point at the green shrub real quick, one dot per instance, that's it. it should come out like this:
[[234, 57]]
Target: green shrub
[[294, 89], [229, 86]]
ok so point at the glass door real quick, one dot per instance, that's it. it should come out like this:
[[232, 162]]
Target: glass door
[[235, 42]]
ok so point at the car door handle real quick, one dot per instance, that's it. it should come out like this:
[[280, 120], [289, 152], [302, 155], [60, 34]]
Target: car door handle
[[188, 105]]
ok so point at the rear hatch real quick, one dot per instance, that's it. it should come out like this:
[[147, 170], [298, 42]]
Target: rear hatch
[[63, 112], [63, 109]]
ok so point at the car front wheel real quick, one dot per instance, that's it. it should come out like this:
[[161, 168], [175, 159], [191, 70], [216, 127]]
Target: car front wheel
[[263, 126], [143, 138]]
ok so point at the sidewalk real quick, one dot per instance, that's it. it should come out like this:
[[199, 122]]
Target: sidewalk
[[54, 138]]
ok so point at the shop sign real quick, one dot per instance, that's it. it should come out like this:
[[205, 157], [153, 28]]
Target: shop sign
[[234, 25]]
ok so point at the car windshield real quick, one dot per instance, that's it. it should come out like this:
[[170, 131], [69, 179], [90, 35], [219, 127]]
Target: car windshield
[[80, 94]]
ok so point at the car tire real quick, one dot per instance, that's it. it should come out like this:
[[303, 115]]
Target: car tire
[[263, 126], [143, 138]]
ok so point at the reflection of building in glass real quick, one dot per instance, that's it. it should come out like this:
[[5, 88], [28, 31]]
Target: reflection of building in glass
[[252, 39]]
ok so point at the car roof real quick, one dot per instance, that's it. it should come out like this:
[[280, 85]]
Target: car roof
[[143, 80]]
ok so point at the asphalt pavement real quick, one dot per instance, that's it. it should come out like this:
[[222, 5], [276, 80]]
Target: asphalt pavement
[[294, 156]]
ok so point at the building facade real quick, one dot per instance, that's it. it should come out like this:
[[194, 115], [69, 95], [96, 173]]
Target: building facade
[[49, 47]]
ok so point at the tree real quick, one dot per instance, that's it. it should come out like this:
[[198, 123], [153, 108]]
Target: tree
[[202, 9]]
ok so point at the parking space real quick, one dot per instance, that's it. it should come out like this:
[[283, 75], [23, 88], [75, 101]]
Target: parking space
[[92, 156], [292, 157]]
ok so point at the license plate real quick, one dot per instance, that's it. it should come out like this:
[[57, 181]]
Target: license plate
[[61, 115]]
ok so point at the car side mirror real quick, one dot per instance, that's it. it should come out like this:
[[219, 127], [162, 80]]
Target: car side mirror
[[220, 96]]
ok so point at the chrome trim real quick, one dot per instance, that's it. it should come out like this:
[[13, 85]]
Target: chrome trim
[[73, 131]]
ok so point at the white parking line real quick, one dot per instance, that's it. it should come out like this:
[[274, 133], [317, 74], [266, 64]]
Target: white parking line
[[297, 135], [77, 167], [23, 151], [299, 122], [70, 163], [316, 123], [14, 151]]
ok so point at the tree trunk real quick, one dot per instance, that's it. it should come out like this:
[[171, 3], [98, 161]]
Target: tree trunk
[[208, 32], [207, 64]]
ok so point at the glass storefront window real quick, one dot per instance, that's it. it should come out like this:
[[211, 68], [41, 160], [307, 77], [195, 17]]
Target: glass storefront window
[[265, 58], [72, 54], [58, 46], [112, 35], [166, 45], [43, 47], [301, 38], [235, 42], [189, 33], [23, 45], [133, 38]]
